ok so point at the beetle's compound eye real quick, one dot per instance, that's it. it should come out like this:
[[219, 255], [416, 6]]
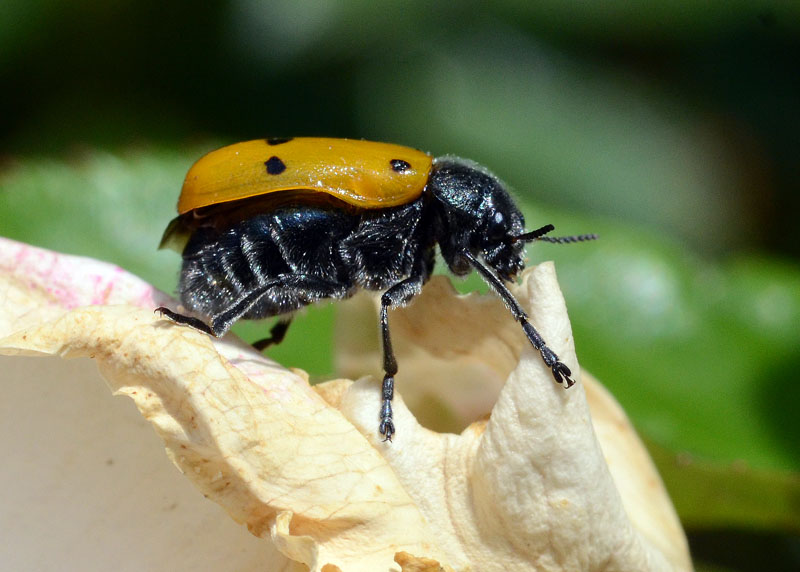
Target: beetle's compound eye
[[497, 227]]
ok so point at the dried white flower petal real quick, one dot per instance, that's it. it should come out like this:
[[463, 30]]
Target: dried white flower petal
[[529, 488], [259, 445]]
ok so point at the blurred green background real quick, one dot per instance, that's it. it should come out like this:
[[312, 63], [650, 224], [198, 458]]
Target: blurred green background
[[670, 128]]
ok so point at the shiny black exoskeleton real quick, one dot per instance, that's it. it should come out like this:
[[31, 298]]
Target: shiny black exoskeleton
[[271, 259]]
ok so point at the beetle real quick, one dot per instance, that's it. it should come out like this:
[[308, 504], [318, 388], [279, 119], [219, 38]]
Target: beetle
[[269, 226]]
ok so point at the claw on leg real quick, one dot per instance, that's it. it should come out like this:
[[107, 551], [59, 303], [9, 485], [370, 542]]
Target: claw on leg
[[386, 427], [562, 374]]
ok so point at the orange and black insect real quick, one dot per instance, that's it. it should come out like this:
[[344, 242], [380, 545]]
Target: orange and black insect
[[269, 226]]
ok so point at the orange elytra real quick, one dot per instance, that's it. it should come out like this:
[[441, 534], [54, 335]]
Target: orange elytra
[[364, 174]]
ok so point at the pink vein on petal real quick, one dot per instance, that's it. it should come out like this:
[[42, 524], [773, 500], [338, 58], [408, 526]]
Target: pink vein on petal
[[74, 281]]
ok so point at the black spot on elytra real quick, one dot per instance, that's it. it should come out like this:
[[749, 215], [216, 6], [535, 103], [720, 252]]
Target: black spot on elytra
[[278, 140], [400, 166], [274, 166]]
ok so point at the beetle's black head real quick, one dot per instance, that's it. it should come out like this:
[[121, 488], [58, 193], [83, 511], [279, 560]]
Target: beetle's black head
[[475, 214]]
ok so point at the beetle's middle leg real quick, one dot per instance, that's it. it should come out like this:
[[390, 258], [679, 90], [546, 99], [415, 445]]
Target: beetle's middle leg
[[398, 295]]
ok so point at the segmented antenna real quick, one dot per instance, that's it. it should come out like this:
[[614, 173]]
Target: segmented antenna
[[534, 234], [568, 239], [539, 234]]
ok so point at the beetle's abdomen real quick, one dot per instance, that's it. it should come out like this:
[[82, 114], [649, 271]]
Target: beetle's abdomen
[[299, 255], [221, 265]]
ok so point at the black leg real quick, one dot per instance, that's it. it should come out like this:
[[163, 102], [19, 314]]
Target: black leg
[[386, 426], [195, 323], [561, 372], [222, 322], [397, 295], [276, 335]]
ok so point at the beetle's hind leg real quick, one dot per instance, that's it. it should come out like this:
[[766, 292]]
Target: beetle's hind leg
[[276, 335], [312, 288], [195, 323], [222, 321]]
